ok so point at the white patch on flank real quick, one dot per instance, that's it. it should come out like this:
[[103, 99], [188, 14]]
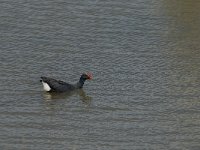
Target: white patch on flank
[[46, 86]]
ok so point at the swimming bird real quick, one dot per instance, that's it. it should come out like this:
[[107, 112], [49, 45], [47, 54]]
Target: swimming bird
[[53, 85]]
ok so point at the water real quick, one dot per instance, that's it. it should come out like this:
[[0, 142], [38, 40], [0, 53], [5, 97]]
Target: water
[[144, 56]]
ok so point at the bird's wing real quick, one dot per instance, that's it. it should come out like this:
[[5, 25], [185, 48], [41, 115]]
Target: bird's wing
[[63, 83], [57, 85]]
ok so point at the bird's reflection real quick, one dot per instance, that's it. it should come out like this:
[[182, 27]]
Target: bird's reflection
[[50, 97]]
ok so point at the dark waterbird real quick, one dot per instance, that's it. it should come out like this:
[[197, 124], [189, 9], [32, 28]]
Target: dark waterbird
[[53, 85]]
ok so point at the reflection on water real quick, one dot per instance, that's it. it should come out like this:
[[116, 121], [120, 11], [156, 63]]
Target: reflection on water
[[183, 46], [183, 25], [53, 96], [182, 55]]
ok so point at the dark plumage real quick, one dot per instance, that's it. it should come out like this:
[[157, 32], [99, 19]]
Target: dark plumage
[[53, 85]]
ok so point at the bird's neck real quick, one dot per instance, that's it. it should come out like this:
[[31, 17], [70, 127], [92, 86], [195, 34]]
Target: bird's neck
[[80, 83]]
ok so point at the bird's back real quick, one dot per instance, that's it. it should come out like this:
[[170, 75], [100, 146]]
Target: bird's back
[[57, 85]]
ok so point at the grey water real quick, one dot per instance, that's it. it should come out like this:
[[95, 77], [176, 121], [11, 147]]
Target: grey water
[[145, 61]]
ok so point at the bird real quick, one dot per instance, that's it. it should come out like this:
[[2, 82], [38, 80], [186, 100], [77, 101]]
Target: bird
[[53, 85]]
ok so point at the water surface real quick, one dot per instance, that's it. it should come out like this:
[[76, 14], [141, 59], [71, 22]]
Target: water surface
[[144, 56]]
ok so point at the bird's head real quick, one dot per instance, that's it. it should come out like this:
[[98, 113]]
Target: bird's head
[[86, 76]]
